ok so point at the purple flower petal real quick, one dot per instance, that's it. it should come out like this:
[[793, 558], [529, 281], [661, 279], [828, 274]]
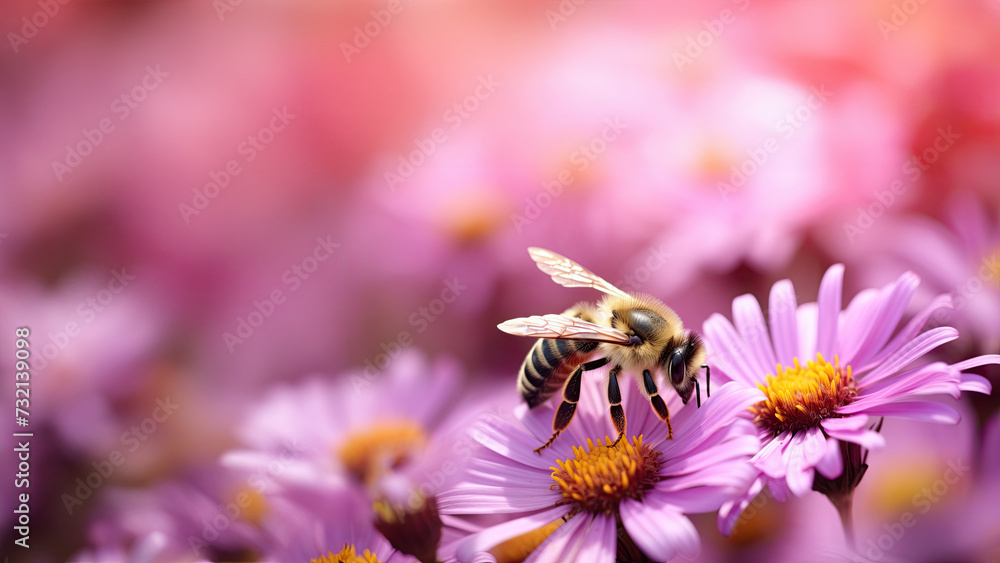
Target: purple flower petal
[[725, 474], [806, 318], [769, 458], [975, 383], [830, 290], [601, 543], [784, 328], [896, 297], [730, 512], [660, 530], [491, 537], [703, 459], [933, 378], [509, 441], [977, 361], [831, 465], [727, 404], [750, 323], [916, 410], [916, 348], [911, 330], [726, 350], [858, 316], [801, 456], [853, 429]]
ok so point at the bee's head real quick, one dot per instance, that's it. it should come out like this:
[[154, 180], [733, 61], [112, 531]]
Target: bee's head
[[680, 362]]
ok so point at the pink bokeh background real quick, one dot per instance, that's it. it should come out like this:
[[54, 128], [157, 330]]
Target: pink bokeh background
[[355, 179]]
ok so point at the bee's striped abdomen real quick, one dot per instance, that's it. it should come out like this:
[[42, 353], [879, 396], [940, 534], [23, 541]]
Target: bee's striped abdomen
[[551, 361]]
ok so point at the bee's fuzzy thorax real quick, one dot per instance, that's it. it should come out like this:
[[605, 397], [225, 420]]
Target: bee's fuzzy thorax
[[633, 358]]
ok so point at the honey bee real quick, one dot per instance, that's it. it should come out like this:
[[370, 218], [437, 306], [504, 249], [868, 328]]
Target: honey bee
[[636, 334]]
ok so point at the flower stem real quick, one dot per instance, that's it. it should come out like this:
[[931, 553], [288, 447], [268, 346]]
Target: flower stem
[[843, 503]]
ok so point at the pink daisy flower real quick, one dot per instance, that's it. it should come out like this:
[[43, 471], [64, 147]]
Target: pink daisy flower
[[591, 502], [825, 374]]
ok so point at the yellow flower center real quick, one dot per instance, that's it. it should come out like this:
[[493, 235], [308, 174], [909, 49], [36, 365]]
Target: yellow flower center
[[601, 476], [347, 555], [367, 453], [800, 397]]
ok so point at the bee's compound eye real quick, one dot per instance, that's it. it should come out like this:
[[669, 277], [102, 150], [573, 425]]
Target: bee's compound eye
[[677, 368]]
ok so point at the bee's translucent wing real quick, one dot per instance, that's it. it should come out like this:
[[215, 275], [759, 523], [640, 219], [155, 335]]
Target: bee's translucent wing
[[568, 273], [567, 328]]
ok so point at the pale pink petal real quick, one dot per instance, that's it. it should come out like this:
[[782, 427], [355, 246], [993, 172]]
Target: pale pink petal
[[784, 326], [749, 322], [830, 290], [660, 530]]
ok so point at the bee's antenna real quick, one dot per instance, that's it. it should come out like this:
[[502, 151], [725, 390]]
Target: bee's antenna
[[708, 380], [697, 391]]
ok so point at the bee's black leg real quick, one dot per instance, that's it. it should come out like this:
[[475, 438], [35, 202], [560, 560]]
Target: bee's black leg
[[659, 407], [615, 398], [571, 396], [708, 384]]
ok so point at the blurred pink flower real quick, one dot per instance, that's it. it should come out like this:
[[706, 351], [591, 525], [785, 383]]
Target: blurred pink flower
[[961, 257]]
